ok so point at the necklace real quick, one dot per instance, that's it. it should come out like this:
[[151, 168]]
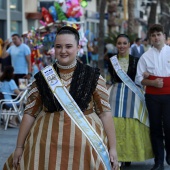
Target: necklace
[[66, 76], [67, 67]]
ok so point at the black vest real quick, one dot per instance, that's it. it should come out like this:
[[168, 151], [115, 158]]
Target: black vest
[[83, 84], [131, 72]]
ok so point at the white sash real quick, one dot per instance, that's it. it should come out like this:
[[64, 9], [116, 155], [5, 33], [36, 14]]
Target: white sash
[[75, 113], [125, 78]]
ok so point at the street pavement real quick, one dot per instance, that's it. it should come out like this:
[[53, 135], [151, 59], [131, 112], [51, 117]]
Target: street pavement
[[8, 142]]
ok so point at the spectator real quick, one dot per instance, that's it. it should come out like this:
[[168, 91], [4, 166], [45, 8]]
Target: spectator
[[8, 87], [146, 44], [109, 51], [20, 57], [95, 55], [137, 50], [89, 49], [5, 61]]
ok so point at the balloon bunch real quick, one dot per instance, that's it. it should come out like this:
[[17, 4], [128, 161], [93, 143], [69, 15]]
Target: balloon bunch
[[65, 10], [35, 53], [53, 12], [74, 9], [34, 39], [47, 16], [48, 40], [61, 15]]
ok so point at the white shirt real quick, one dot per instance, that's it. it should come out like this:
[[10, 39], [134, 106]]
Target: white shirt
[[138, 48], [154, 62]]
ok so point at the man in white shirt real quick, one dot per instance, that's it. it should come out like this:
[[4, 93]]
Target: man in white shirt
[[153, 71]]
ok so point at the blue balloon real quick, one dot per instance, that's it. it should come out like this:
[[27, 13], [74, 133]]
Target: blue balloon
[[72, 19], [53, 12]]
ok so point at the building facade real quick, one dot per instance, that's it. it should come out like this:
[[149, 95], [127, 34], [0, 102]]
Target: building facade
[[11, 18], [19, 16]]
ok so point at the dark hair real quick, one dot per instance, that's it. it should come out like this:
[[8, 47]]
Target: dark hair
[[122, 35], [146, 39], [17, 35], [137, 39], [157, 28], [69, 30], [8, 74]]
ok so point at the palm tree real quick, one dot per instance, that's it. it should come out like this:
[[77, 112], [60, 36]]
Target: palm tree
[[131, 20], [101, 34], [165, 15], [153, 13]]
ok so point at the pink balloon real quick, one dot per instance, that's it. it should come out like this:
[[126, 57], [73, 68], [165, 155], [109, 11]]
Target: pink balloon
[[42, 23]]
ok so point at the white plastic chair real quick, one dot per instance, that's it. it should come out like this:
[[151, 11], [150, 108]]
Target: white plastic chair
[[17, 108]]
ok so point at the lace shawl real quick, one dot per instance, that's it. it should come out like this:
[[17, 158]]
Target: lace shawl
[[83, 84]]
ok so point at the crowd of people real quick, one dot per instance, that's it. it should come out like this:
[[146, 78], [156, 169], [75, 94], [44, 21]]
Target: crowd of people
[[15, 65], [130, 117]]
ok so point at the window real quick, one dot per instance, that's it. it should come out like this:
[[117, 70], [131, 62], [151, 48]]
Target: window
[[14, 5], [46, 4], [2, 4], [31, 24], [15, 27]]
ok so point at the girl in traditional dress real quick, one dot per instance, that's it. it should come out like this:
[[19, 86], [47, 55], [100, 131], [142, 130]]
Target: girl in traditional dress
[[48, 138], [129, 113]]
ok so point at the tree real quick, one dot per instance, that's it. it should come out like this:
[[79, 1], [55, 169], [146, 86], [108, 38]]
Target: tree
[[153, 13], [165, 15], [101, 34], [131, 19]]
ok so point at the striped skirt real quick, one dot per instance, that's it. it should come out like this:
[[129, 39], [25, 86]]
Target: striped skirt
[[130, 117], [125, 103], [56, 143]]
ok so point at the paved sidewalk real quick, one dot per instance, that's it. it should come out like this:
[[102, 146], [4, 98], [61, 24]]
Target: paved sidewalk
[[8, 141]]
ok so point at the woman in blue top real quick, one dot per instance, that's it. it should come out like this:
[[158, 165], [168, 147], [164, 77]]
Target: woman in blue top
[[8, 86]]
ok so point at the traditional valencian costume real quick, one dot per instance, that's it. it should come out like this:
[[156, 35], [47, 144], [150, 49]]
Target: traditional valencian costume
[[130, 114], [54, 141]]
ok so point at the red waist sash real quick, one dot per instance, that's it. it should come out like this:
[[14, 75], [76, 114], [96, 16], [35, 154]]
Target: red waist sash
[[158, 91]]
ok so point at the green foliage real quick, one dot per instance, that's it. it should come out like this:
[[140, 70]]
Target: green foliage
[[111, 37]]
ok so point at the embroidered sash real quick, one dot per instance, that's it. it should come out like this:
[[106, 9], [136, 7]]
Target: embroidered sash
[[125, 78], [74, 112]]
